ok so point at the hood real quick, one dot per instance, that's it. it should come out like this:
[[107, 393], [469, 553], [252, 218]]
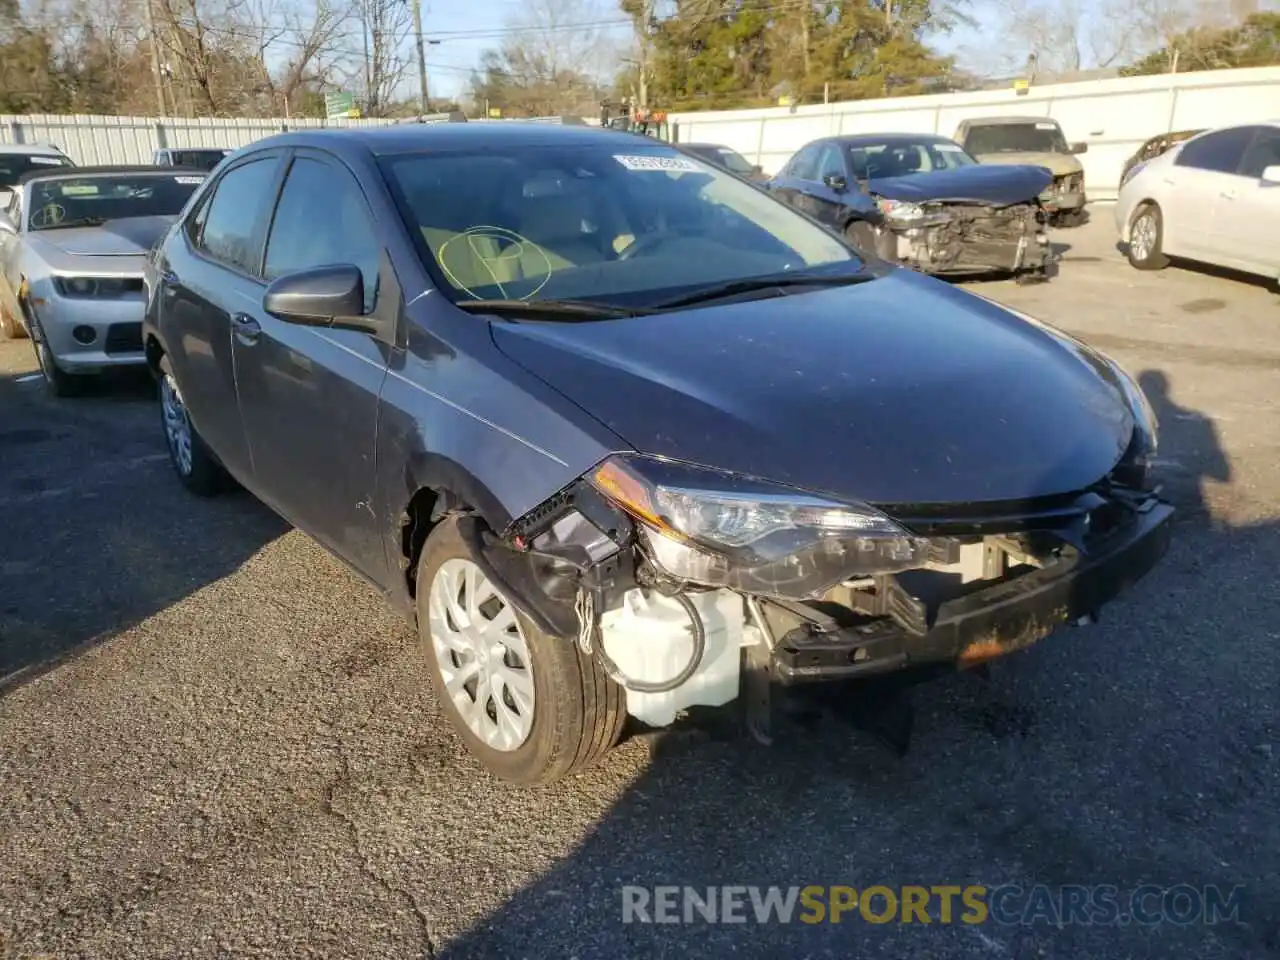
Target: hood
[[899, 390], [126, 237], [1059, 164], [997, 185]]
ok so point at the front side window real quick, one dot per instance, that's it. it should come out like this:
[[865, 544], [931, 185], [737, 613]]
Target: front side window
[[1219, 152], [830, 164], [96, 198], [240, 201], [1263, 152], [872, 160], [1039, 137], [338, 230], [627, 223]]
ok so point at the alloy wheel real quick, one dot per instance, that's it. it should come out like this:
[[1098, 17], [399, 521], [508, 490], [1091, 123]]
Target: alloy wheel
[[1142, 239], [482, 655], [177, 425]]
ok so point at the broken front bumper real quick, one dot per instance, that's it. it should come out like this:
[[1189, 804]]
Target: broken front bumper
[[1007, 616], [966, 240]]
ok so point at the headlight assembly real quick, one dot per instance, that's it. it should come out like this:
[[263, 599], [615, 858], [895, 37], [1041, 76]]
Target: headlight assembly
[[900, 210], [1146, 426], [94, 287], [720, 529]]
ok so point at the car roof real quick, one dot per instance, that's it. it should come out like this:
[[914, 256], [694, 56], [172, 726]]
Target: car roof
[[705, 146], [32, 149], [856, 139], [77, 173], [995, 121], [415, 137]]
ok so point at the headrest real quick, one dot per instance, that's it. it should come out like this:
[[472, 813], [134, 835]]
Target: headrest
[[553, 217]]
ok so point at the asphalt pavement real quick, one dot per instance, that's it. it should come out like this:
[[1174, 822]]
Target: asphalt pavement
[[217, 742]]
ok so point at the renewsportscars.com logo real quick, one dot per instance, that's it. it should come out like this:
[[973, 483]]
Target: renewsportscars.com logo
[[1099, 905]]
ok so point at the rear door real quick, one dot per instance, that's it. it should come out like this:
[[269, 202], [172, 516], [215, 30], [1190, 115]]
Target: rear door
[[1201, 183], [793, 182], [309, 395], [208, 274]]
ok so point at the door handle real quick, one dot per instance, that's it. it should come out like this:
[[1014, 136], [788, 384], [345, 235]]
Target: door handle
[[247, 329]]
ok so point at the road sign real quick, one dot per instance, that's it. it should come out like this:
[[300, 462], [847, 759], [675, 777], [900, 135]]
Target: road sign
[[341, 104]]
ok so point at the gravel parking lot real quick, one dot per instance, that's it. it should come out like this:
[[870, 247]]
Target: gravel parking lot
[[215, 741]]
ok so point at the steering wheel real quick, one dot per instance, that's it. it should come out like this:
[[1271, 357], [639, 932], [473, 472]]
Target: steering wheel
[[646, 243], [48, 215]]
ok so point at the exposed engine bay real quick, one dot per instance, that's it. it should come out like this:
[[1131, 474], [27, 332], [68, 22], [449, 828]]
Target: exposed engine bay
[[958, 237], [615, 564]]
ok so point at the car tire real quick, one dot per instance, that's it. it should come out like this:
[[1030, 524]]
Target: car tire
[[191, 459], [862, 235], [557, 711], [56, 380], [1146, 239]]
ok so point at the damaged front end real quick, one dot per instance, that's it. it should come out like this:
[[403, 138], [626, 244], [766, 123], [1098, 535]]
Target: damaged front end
[[694, 587], [958, 237]]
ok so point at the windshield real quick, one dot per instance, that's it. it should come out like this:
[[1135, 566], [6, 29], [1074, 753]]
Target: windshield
[[1042, 137], [626, 223], [78, 201], [902, 158], [198, 159], [14, 165]]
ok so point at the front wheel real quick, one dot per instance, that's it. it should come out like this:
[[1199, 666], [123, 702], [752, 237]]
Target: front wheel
[[56, 380], [862, 235], [530, 707], [1146, 239], [194, 464]]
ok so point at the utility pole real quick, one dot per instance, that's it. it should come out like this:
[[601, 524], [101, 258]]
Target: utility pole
[[646, 15], [155, 57], [422, 56]]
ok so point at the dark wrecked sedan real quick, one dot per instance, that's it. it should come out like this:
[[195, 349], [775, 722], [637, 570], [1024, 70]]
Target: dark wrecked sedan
[[920, 200], [622, 434]]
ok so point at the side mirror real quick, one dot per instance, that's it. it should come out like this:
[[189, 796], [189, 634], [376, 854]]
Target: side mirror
[[1079, 147], [1271, 174], [331, 296], [756, 168], [836, 182]]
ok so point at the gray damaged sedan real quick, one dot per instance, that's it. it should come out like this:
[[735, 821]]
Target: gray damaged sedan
[[72, 245]]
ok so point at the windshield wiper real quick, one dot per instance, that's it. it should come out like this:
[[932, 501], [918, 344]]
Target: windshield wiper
[[78, 222], [769, 282], [552, 309]]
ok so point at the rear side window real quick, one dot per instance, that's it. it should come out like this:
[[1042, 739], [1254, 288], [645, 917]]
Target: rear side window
[[231, 218], [1220, 152], [322, 220], [804, 165]]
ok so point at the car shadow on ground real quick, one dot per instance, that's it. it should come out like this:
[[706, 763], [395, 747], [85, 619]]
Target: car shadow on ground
[[1137, 751], [99, 533], [1210, 270]]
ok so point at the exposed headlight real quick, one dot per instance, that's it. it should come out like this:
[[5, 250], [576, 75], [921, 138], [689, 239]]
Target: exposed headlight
[[719, 529], [900, 209], [84, 287]]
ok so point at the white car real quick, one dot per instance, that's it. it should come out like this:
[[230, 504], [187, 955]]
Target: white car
[[1214, 198]]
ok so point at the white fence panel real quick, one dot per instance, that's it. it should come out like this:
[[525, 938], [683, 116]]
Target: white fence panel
[[1113, 117]]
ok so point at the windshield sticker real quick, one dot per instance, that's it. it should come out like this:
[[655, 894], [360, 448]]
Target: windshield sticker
[[658, 164], [79, 190], [1047, 126], [49, 161], [949, 148], [187, 180]]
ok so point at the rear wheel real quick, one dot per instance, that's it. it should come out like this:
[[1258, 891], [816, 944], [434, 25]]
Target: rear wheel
[[530, 707], [1146, 238], [195, 466]]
